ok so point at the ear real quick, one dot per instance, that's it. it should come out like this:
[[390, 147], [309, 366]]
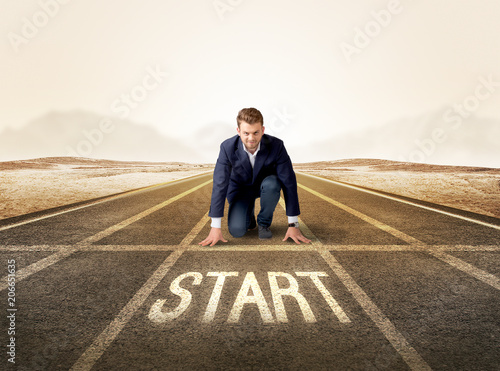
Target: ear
[[263, 128], [238, 130]]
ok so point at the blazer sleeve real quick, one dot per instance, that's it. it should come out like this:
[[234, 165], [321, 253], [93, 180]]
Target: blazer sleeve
[[286, 175], [222, 173]]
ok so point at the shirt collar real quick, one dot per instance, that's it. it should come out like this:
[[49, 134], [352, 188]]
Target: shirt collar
[[250, 154]]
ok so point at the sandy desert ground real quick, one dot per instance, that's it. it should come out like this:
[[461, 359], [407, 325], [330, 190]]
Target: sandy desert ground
[[33, 185], [467, 188]]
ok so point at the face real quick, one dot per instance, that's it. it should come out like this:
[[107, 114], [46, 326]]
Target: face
[[250, 135]]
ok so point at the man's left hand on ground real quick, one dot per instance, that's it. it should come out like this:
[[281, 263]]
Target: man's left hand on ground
[[296, 235]]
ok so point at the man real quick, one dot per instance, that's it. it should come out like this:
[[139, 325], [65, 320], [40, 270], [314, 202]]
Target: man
[[252, 165]]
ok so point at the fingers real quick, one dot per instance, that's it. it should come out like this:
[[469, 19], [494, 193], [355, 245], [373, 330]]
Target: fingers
[[287, 236], [211, 241], [207, 241], [298, 238], [305, 239]]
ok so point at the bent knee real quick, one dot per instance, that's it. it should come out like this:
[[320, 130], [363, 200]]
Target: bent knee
[[271, 184], [237, 232]]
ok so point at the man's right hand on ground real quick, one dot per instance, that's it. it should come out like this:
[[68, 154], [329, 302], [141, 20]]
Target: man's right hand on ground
[[214, 236]]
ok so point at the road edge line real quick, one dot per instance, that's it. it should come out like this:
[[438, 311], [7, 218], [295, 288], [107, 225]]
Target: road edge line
[[92, 202], [409, 355], [395, 198]]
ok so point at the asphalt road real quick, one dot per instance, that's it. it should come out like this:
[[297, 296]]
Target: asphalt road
[[121, 284]]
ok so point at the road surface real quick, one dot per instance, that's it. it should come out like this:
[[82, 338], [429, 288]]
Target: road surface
[[121, 284]]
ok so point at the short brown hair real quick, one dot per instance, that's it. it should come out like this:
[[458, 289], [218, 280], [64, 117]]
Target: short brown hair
[[250, 115]]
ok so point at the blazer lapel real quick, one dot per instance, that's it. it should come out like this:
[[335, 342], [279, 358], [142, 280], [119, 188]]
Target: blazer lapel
[[243, 157], [260, 158]]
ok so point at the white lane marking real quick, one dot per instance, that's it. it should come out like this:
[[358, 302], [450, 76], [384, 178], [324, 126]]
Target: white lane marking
[[471, 270], [158, 316], [286, 247], [393, 231], [34, 248], [336, 309], [38, 266], [406, 202], [293, 291], [305, 231], [102, 342], [194, 232], [479, 248], [467, 268], [65, 252], [466, 248], [109, 198], [216, 293], [398, 341], [108, 231], [250, 282]]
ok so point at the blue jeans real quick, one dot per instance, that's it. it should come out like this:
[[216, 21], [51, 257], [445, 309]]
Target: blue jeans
[[241, 210]]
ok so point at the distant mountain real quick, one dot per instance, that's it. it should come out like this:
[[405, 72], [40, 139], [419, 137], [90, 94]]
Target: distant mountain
[[209, 137], [427, 139], [85, 134]]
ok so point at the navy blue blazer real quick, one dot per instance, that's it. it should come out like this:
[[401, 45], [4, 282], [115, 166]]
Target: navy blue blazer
[[234, 176]]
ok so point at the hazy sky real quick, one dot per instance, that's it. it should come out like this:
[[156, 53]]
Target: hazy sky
[[186, 66]]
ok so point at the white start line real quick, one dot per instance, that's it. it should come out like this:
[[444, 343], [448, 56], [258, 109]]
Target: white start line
[[244, 297]]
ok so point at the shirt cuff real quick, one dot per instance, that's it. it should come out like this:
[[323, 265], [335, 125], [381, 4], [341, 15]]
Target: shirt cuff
[[216, 223], [293, 219]]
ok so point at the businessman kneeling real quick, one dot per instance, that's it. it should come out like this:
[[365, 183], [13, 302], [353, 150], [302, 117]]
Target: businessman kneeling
[[252, 165]]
